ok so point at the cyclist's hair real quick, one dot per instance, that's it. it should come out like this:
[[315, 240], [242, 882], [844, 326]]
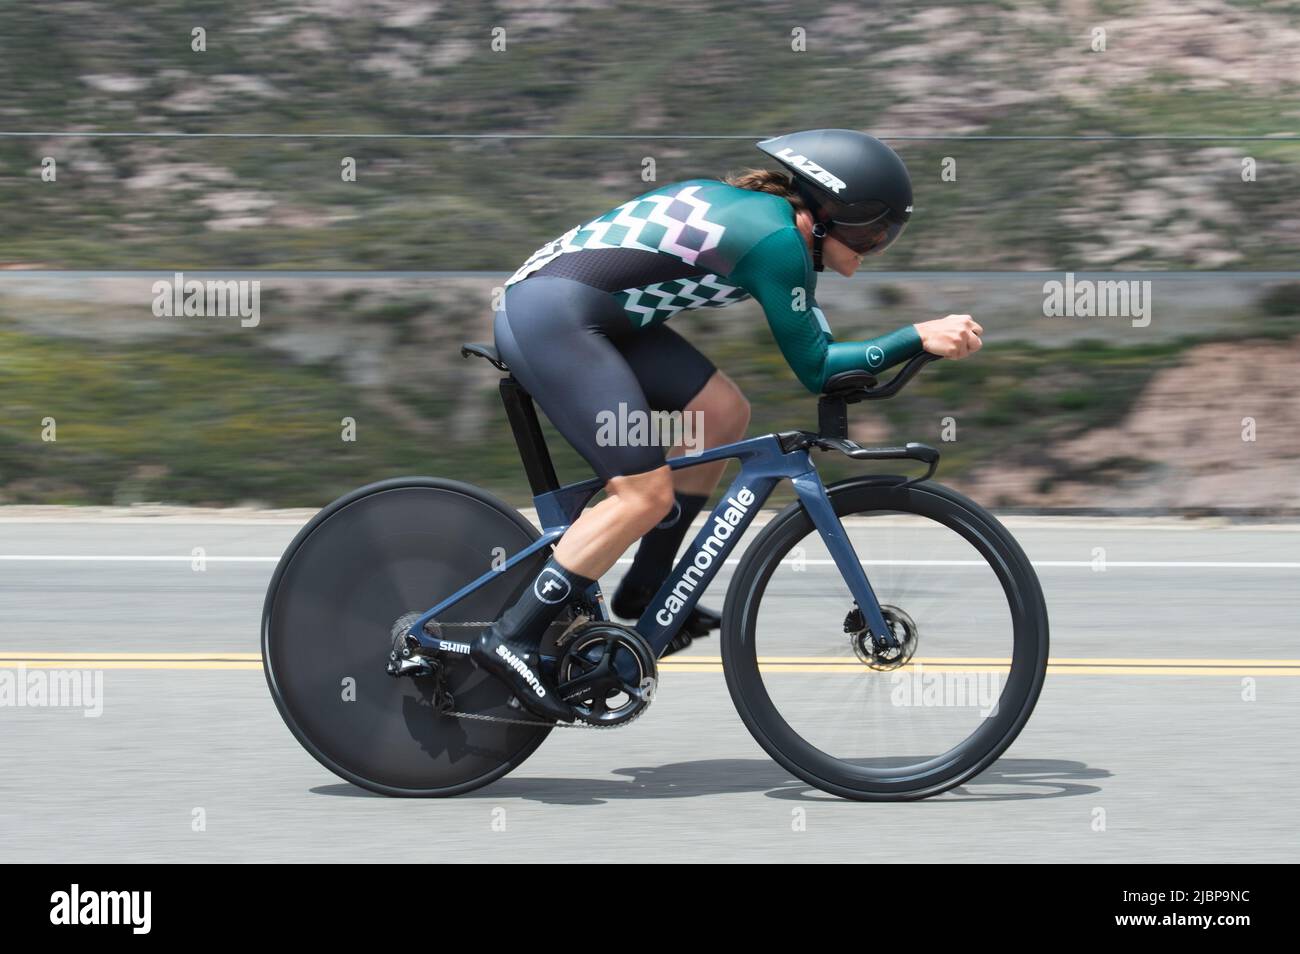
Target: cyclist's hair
[[765, 180]]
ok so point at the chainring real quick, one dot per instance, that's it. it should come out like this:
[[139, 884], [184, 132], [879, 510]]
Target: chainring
[[607, 673]]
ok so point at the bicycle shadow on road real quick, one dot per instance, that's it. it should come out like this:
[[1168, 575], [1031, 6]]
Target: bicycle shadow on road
[[1005, 780]]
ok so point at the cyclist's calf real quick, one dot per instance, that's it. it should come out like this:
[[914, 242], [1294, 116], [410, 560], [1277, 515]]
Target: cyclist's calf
[[599, 536]]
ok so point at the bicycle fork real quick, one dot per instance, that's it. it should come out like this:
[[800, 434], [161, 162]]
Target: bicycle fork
[[812, 494]]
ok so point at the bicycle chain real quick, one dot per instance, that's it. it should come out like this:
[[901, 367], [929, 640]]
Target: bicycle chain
[[576, 724]]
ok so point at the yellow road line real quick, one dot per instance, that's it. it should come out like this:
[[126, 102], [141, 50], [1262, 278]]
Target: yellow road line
[[84, 660], [1006, 660]]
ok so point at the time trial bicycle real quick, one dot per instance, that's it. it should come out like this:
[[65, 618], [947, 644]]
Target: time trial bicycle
[[899, 685]]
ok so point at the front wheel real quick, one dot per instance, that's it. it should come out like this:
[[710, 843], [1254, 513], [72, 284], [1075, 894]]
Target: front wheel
[[960, 595]]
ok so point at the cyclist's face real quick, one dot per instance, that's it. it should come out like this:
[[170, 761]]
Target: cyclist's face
[[840, 257], [835, 255]]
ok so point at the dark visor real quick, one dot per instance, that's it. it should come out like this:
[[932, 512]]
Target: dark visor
[[866, 237]]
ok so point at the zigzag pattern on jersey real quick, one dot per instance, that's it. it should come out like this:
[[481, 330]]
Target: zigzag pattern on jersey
[[654, 303], [675, 224]]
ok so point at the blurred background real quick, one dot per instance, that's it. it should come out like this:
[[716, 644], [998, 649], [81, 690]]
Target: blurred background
[[1092, 138]]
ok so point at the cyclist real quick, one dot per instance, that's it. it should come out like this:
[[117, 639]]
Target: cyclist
[[582, 329]]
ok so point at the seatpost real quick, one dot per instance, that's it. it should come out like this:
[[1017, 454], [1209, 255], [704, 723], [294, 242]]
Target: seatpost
[[832, 416], [533, 451]]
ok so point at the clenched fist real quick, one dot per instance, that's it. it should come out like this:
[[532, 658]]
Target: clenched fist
[[953, 337]]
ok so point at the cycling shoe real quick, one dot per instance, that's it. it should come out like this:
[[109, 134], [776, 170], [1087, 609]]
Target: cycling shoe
[[517, 667], [701, 621]]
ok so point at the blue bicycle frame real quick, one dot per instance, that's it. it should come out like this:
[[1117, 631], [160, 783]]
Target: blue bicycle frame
[[763, 462]]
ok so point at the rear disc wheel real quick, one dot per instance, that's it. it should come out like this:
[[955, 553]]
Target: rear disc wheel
[[365, 560]]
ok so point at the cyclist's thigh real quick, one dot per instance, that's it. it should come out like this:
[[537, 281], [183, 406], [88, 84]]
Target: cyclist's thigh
[[552, 334], [670, 369]]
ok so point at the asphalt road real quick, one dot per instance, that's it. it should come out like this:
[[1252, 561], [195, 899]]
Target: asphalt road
[[1140, 760]]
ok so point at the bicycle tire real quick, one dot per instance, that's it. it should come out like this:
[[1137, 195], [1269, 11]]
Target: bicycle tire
[[952, 768]]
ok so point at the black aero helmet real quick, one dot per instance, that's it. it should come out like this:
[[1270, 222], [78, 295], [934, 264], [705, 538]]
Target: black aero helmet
[[856, 187]]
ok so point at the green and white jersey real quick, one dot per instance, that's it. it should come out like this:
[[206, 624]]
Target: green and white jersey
[[704, 244]]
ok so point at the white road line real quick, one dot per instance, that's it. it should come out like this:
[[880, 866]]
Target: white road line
[[1075, 564], [21, 557]]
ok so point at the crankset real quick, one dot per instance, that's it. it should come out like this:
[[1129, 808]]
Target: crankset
[[407, 658], [607, 673], [877, 654]]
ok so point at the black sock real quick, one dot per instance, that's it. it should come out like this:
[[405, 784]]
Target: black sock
[[654, 557], [540, 603]]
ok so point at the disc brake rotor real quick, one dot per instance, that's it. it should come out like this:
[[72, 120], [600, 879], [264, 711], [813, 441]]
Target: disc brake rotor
[[900, 624]]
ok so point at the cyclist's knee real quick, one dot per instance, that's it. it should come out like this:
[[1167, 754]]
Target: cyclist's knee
[[742, 415], [658, 498], [724, 408]]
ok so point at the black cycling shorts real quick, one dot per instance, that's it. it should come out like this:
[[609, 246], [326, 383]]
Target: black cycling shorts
[[574, 350]]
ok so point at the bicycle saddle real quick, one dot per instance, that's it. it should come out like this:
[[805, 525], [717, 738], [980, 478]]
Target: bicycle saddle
[[481, 350]]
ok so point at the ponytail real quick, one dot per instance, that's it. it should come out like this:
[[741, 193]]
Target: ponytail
[[766, 180]]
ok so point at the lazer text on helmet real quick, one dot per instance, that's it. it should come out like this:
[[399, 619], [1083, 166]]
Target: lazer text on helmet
[[810, 168]]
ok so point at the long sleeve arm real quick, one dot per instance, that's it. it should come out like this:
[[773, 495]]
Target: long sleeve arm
[[773, 271]]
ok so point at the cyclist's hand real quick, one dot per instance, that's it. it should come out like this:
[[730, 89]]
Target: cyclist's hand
[[953, 337]]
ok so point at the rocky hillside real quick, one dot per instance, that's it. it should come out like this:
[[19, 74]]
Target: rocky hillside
[[599, 101], [593, 67], [1214, 432]]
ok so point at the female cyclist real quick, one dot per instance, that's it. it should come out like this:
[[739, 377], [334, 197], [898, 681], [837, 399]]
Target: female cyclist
[[582, 329]]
